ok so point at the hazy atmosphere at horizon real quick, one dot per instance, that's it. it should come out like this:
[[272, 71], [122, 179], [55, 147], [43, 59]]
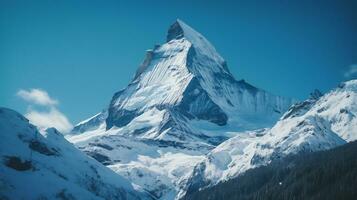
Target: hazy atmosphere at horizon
[[63, 60]]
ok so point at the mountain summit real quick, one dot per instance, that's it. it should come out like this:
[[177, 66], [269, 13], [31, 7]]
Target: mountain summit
[[179, 30], [176, 31]]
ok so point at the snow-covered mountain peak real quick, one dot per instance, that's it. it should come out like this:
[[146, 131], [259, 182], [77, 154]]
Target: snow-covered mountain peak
[[184, 72], [176, 31], [182, 102], [180, 30]]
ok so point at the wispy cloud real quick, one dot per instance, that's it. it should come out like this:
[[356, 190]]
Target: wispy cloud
[[50, 117], [37, 96], [351, 72]]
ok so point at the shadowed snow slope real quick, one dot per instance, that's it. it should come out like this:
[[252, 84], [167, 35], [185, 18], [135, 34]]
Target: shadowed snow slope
[[37, 165]]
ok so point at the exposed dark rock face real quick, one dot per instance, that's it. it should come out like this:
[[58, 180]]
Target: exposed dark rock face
[[105, 160], [196, 103], [42, 148], [17, 163], [175, 32], [301, 108], [120, 117], [104, 146]]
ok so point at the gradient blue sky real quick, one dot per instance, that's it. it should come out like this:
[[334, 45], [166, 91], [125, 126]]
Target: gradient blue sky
[[81, 52]]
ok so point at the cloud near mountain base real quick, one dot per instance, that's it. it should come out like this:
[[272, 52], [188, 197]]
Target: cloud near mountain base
[[50, 116]]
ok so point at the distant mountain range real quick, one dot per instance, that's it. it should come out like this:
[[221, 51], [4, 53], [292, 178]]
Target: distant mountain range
[[183, 124]]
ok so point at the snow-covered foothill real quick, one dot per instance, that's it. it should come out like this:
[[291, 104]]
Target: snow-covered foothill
[[319, 123], [36, 165]]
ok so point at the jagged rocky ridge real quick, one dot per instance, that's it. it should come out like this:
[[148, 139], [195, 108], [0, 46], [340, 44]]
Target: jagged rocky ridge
[[36, 165]]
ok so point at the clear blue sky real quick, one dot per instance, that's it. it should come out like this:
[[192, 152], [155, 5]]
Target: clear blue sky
[[81, 52]]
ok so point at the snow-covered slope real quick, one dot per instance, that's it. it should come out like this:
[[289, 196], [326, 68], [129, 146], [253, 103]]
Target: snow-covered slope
[[90, 124], [181, 103], [37, 165], [159, 167], [319, 123]]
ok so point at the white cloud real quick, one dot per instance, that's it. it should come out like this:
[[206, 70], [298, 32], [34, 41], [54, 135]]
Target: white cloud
[[352, 71], [47, 119], [37, 96], [50, 117]]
